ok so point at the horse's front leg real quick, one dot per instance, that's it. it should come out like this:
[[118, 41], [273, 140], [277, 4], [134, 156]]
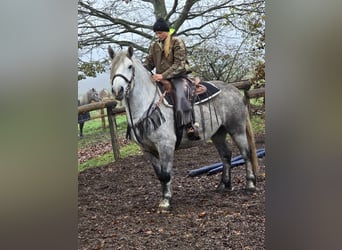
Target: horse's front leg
[[81, 129], [162, 163]]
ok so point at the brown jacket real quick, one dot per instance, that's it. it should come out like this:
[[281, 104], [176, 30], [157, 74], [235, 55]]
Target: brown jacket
[[174, 65]]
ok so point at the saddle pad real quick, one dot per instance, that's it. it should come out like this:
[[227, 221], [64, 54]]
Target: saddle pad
[[211, 92]]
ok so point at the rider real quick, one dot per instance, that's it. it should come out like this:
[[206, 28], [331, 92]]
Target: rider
[[169, 56]]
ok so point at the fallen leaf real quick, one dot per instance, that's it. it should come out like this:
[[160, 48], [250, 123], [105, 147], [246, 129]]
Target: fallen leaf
[[202, 214]]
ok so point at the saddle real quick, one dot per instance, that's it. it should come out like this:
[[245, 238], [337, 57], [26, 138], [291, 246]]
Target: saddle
[[196, 91]]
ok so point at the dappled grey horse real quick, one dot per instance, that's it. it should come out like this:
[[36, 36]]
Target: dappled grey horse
[[89, 97], [153, 128]]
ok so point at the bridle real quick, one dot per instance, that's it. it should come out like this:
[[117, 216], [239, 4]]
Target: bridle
[[129, 82]]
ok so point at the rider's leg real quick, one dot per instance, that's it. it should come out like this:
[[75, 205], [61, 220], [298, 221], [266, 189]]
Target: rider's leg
[[183, 109]]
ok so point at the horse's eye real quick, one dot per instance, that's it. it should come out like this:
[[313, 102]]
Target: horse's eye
[[130, 66]]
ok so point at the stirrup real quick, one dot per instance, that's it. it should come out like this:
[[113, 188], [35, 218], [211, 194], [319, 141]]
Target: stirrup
[[192, 133]]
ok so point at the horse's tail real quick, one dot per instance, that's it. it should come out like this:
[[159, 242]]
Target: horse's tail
[[251, 142]]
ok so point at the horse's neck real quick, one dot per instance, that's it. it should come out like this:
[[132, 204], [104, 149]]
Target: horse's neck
[[142, 95]]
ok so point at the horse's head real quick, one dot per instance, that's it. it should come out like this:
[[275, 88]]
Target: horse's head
[[121, 73], [93, 96]]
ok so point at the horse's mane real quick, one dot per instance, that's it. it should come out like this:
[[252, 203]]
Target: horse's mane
[[140, 67]]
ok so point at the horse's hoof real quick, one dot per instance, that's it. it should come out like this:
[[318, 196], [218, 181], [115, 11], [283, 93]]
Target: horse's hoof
[[163, 211], [250, 187], [164, 206], [222, 188]]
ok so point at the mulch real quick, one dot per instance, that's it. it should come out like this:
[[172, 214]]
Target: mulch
[[117, 206]]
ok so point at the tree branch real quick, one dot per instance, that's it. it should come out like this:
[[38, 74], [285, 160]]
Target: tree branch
[[106, 22]]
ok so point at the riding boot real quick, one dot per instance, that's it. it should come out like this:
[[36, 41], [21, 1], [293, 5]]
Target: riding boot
[[182, 107]]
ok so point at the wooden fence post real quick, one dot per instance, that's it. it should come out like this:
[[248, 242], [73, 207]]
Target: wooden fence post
[[103, 120], [113, 132], [251, 94], [111, 111]]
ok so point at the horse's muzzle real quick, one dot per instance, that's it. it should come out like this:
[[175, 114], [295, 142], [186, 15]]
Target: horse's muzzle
[[118, 94]]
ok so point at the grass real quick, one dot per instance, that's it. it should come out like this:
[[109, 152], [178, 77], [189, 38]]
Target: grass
[[258, 124], [95, 134], [258, 121], [97, 161]]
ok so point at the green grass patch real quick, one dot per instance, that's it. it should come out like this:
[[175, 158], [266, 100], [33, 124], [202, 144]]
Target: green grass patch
[[93, 134], [257, 101], [258, 124], [130, 149], [97, 161], [101, 160]]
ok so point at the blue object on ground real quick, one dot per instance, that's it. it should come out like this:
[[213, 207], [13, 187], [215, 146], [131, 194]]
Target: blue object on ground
[[217, 167], [204, 169]]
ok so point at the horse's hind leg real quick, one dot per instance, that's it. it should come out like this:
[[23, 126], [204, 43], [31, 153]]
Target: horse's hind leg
[[162, 165], [219, 140], [242, 143]]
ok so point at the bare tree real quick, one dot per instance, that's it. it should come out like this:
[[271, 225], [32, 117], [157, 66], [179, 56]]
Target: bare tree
[[129, 23], [212, 63]]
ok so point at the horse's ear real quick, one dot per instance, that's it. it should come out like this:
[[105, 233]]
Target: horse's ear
[[111, 52], [130, 52]]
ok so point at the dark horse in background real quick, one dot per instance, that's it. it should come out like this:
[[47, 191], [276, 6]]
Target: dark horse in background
[[89, 97]]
